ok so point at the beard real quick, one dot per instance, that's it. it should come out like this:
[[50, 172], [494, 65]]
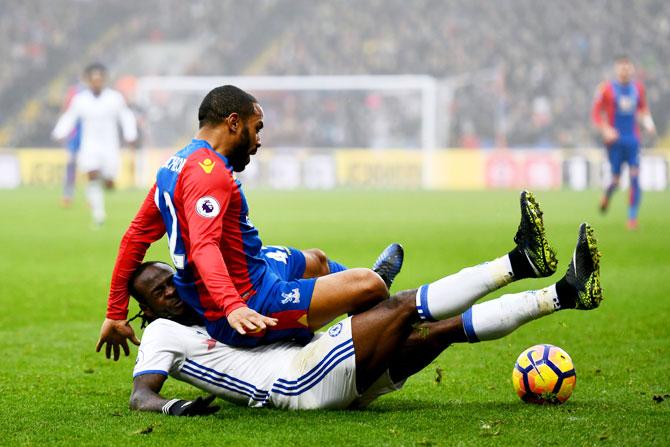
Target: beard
[[239, 157]]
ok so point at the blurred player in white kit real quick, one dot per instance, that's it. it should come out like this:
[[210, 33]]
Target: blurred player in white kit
[[101, 111]]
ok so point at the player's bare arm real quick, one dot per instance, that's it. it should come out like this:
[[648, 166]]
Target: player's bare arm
[[146, 228], [146, 397]]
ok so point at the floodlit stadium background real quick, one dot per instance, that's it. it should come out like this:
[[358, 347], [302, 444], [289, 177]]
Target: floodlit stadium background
[[421, 94]]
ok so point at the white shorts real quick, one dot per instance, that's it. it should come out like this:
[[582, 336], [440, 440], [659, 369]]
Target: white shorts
[[323, 375], [107, 162]]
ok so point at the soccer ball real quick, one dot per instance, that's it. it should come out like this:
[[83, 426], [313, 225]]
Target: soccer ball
[[544, 374]]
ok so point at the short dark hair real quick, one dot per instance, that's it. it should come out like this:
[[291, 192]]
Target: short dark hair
[[622, 57], [95, 66], [221, 102]]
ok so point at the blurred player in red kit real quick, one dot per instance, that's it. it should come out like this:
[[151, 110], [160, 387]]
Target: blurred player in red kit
[[619, 107]]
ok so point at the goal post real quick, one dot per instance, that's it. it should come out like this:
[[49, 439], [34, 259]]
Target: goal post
[[425, 85]]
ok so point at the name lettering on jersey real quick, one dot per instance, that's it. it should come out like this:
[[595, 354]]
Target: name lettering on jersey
[[207, 165], [175, 164], [292, 297], [208, 207]]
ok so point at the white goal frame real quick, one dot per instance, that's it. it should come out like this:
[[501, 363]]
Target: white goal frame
[[426, 85]]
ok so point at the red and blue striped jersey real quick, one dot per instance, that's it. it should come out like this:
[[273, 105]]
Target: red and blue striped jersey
[[213, 244], [620, 103]]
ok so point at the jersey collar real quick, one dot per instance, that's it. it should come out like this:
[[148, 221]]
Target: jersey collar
[[205, 144]]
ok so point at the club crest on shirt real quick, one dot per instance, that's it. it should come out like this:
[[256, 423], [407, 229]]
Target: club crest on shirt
[[207, 165], [207, 207], [292, 297]]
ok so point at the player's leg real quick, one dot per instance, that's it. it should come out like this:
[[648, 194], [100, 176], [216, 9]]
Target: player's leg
[[346, 292], [615, 156], [387, 265], [532, 257], [579, 288], [351, 291], [91, 162], [635, 191], [317, 264], [70, 176], [95, 196]]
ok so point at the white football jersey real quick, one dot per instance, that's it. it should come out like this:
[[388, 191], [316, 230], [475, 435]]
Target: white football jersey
[[285, 375], [100, 118]]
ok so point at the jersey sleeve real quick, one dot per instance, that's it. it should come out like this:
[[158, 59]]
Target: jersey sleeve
[[600, 101], [160, 350], [642, 101], [127, 121], [67, 120], [205, 195], [146, 228]]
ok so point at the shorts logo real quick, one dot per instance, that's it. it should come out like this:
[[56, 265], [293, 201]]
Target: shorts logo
[[207, 207], [291, 297], [207, 165], [334, 331]]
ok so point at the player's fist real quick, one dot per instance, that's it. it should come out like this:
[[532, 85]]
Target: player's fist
[[115, 334], [610, 134], [245, 320]]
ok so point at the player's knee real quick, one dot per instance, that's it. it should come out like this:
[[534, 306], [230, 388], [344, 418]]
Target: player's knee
[[372, 284], [318, 261]]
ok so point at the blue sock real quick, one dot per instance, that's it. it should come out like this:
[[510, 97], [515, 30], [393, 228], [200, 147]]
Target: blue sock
[[610, 190], [335, 267], [635, 196]]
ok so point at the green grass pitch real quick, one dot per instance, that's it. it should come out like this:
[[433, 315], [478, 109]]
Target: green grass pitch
[[54, 276]]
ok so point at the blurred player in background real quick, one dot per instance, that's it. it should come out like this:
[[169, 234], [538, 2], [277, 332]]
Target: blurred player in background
[[100, 111], [618, 107], [72, 143]]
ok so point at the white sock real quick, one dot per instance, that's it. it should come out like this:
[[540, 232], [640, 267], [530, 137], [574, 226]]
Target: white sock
[[453, 294], [496, 318], [96, 198]]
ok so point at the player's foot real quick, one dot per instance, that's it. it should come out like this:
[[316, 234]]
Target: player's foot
[[531, 240], [389, 263], [66, 202], [632, 224], [604, 204], [97, 224], [584, 270]]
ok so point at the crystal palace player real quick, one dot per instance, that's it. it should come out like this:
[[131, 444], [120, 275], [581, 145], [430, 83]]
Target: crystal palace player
[[216, 250], [364, 356], [617, 108]]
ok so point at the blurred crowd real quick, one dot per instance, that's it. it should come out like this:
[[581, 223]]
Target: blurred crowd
[[522, 73]]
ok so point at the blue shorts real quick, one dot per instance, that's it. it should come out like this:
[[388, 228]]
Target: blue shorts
[[282, 294], [287, 262], [623, 150]]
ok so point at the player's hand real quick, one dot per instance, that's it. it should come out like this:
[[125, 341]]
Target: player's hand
[[115, 334], [610, 134], [199, 407], [244, 319]]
